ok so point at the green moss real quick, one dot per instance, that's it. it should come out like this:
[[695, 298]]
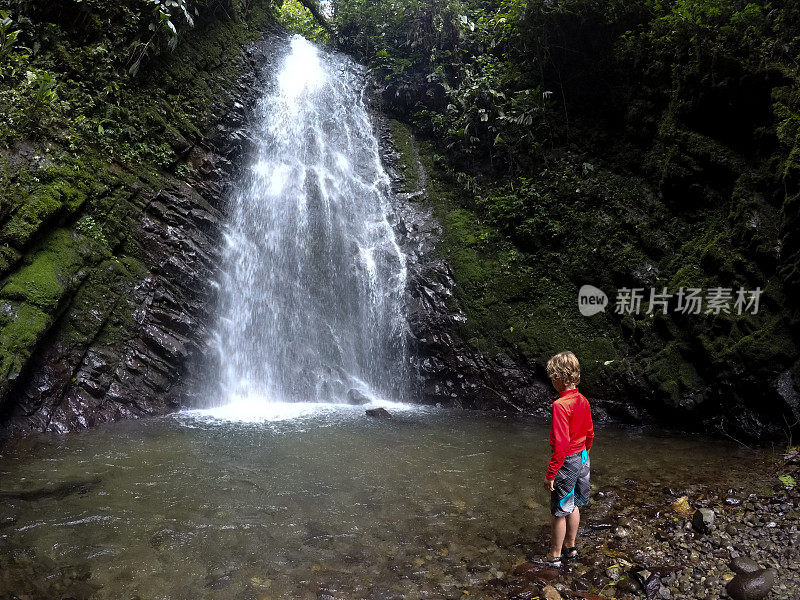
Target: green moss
[[8, 258], [409, 162], [50, 274], [36, 210], [674, 375], [120, 325], [771, 343], [20, 332], [101, 310]]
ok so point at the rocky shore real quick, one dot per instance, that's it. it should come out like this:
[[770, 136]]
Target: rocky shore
[[696, 543]]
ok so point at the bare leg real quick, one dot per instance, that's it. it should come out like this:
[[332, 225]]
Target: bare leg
[[573, 520], [558, 529]]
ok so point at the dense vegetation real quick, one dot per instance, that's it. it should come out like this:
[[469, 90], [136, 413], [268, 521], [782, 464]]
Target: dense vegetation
[[643, 144]]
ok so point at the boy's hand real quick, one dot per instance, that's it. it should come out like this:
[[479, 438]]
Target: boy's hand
[[548, 485]]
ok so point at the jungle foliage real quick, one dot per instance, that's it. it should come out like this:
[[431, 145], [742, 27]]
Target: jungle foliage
[[70, 68], [645, 144]]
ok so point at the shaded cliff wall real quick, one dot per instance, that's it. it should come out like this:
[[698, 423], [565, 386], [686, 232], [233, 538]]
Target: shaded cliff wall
[[619, 144], [486, 311], [108, 250]]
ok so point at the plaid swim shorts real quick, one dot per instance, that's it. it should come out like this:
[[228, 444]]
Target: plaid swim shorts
[[571, 485]]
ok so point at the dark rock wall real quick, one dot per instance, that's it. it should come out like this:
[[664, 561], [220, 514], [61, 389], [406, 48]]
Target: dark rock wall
[[454, 370], [448, 370], [127, 328]]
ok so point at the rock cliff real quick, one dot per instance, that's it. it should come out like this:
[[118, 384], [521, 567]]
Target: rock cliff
[[108, 267]]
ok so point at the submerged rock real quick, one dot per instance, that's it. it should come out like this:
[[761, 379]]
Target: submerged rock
[[380, 413], [357, 397], [535, 573], [59, 491]]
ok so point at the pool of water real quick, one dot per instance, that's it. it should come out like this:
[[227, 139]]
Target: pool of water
[[206, 504]]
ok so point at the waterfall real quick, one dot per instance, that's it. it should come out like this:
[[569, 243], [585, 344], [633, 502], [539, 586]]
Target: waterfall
[[311, 293]]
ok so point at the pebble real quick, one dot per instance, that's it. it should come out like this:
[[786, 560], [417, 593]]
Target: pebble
[[703, 520], [628, 586], [550, 593]]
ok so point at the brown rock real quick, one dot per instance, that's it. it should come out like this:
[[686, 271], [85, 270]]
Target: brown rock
[[550, 593], [534, 573]]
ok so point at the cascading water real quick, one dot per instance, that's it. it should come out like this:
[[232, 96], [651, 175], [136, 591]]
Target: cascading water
[[313, 279]]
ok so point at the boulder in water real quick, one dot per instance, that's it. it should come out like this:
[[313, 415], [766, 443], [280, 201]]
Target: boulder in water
[[357, 397], [380, 413], [751, 586]]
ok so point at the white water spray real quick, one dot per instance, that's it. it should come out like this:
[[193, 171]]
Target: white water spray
[[313, 279]]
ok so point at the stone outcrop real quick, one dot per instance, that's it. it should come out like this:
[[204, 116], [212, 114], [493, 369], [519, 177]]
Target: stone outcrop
[[126, 337], [448, 370]]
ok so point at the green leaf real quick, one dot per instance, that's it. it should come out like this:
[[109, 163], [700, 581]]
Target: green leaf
[[787, 480]]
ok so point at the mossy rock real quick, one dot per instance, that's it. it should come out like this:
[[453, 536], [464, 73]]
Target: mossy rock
[[52, 271], [23, 325]]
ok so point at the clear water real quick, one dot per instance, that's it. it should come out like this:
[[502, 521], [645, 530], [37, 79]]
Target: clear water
[[197, 506], [311, 296]]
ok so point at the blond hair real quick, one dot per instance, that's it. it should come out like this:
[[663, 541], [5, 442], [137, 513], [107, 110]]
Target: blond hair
[[564, 366]]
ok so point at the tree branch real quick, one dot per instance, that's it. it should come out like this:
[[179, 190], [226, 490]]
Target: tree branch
[[313, 8]]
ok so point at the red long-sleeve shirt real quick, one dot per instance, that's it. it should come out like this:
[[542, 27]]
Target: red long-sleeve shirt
[[571, 430]]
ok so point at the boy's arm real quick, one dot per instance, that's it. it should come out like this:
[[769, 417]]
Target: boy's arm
[[590, 433], [559, 436]]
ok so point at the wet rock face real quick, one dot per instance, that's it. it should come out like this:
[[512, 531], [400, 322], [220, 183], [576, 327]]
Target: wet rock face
[[144, 334], [448, 370], [144, 339]]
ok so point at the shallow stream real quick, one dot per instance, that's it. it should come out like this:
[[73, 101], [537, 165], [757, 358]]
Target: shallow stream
[[203, 505]]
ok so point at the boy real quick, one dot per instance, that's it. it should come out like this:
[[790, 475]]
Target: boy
[[567, 477]]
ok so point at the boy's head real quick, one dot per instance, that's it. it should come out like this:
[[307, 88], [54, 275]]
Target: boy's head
[[564, 371]]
